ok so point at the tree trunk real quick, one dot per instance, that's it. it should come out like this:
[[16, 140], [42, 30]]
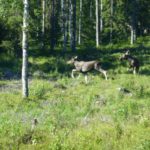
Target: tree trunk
[[80, 19], [38, 32], [101, 20], [101, 15], [43, 22], [73, 24], [64, 26], [97, 24], [68, 21], [53, 26], [91, 10], [25, 92], [111, 19], [133, 21], [133, 34]]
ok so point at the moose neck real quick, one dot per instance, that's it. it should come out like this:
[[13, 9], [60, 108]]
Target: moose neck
[[129, 58]]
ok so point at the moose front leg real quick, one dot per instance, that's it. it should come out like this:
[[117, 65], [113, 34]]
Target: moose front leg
[[72, 74], [86, 79], [130, 68]]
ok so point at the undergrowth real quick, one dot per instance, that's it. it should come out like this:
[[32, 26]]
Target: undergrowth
[[74, 115]]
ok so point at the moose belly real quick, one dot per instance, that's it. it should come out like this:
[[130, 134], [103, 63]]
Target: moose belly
[[86, 68]]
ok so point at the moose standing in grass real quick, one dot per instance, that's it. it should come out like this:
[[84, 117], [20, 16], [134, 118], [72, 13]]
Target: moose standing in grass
[[86, 66], [133, 62]]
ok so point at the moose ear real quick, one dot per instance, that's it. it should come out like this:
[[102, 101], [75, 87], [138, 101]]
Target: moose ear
[[75, 57], [127, 52]]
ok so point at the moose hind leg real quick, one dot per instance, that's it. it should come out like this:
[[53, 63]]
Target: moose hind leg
[[98, 68], [137, 69], [134, 70], [85, 77], [104, 72]]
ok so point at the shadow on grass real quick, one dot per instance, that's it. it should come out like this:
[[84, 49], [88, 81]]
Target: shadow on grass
[[109, 57], [145, 72]]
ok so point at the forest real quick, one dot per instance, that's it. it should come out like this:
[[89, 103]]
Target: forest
[[74, 74]]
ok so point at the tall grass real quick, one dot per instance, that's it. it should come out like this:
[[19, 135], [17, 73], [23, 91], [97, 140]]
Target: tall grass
[[74, 115]]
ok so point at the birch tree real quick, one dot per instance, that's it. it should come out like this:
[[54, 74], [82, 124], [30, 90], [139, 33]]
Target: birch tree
[[53, 25], [97, 23], [111, 19], [25, 92], [43, 22], [91, 7], [101, 19], [80, 19], [64, 26], [133, 21], [73, 24], [68, 21], [101, 15], [38, 18]]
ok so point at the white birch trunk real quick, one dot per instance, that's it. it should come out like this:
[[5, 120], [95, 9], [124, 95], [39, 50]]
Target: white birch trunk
[[63, 2], [53, 27], [25, 92], [38, 19], [69, 23], [97, 23], [91, 12], [132, 39], [101, 15], [73, 24], [43, 22], [70, 20], [80, 19], [133, 35], [133, 21], [111, 20]]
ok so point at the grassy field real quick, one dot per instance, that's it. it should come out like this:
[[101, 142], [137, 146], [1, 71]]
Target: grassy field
[[73, 115]]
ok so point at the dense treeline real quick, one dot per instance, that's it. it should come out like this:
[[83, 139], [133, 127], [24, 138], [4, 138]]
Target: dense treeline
[[68, 23]]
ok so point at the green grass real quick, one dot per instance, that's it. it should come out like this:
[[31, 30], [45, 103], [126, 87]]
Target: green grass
[[73, 115]]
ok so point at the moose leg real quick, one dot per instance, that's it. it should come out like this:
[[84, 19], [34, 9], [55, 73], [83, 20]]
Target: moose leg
[[137, 69], [78, 76], [85, 76], [104, 72], [72, 74], [98, 68], [130, 68], [86, 79], [134, 70]]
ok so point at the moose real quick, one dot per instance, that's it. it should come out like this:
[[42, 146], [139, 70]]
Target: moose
[[86, 66], [133, 62]]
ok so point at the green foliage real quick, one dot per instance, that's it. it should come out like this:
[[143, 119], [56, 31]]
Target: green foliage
[[11, 23]]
